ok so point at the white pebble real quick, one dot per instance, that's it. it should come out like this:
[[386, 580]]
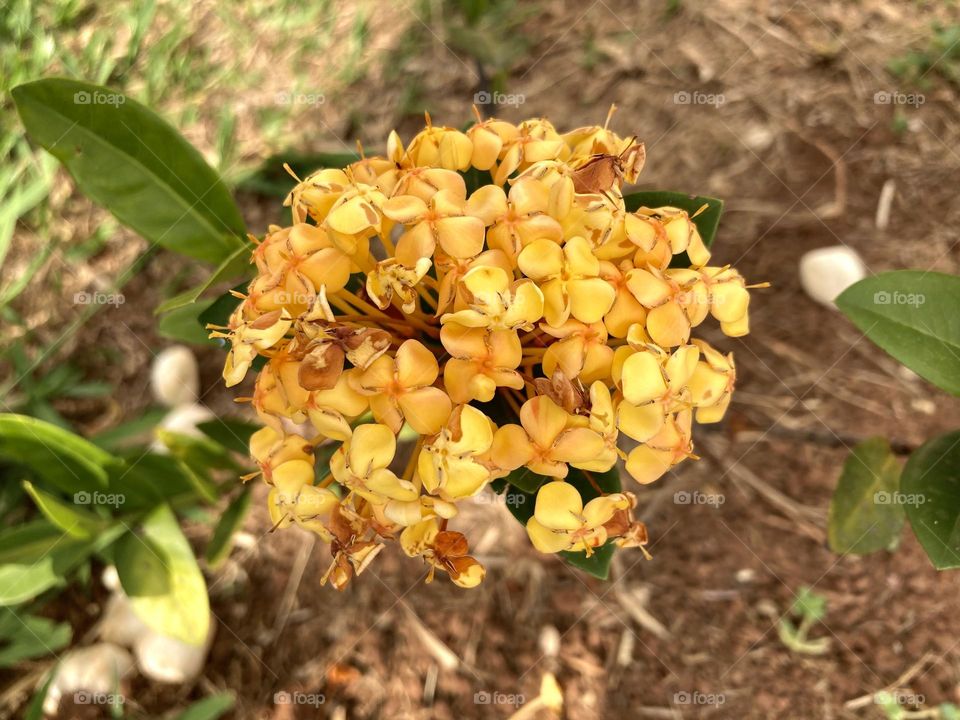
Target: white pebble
[[828, 271], [169, 660], [93, 670], [174, 377]]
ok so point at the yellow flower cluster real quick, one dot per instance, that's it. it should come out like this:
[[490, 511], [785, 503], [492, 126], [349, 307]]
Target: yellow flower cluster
[[443, 339]]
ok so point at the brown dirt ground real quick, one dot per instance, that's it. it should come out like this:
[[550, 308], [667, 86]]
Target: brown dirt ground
[[800, 150]]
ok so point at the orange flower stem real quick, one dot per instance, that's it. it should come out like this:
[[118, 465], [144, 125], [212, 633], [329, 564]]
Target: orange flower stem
[[427, 297], [512, 401], [414, 456], [593, 482], [327, 481]]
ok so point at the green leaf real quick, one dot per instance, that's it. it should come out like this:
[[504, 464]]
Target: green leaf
[[706, 221], [522, 504], [23, 637], [132, 162], [232, 433], [53, 454], [147, 480], [38, 556], [183, 323], [159, 573], [912, 315], [68, 517], [232, 519], [865, 512], [201, 454], [209, 708], [931, 490], [235, 265]]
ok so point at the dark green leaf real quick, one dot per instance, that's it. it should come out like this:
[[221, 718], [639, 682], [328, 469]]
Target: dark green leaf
[[148, 479], [235, 265], [23, 636], [232, 519], [865, 512], [53, 454], [183, 323], [913, 315], [232, 433], [132, 162], [128, 433], [201, 454], [931, 494], [707, 221], [160, 574]]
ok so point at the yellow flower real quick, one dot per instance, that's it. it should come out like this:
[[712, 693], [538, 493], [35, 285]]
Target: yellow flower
[[518, 218], [488, 138], [669, 446], [626, 309], [448, 465], [390, 278], [401, 388], [711, 384], [441, 147], [535, 140], [481, 361], [581, 351], [562, 522], [331, 411], [361, 464], [544, 441], [442, 221], [249, 338], [496, 303], [547, 308], [294, 264], [568, 278], [452, 271], [654, 384]]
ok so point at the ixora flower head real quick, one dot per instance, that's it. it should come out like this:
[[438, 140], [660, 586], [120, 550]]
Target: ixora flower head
[[430, 337]]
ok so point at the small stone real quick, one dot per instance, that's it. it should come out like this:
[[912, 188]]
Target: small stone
[[828, 271], [86, 672], [169, 660], [745, 575], [174, 377]]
